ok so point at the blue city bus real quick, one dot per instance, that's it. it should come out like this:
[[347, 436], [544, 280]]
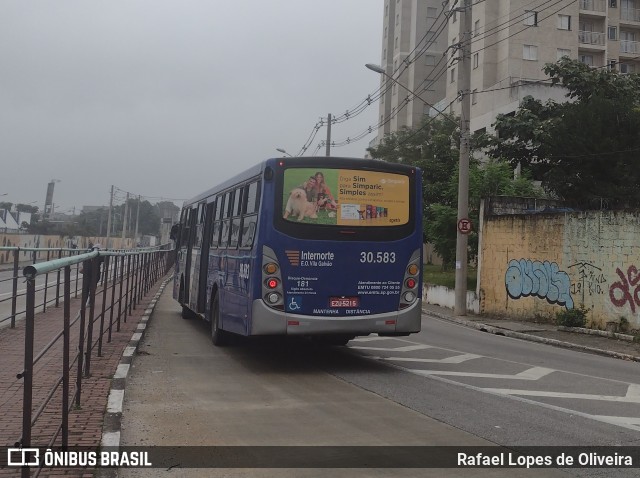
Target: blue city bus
[[324, 247]]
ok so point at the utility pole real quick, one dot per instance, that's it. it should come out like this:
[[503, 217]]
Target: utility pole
[[124, 218], [328, 135], [464, 83], [108, 245], [135, 235]]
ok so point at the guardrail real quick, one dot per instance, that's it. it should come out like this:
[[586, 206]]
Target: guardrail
[[16, 295], [118, 280]]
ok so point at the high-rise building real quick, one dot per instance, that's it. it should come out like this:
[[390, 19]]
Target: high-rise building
[[413, 43], [511, 42]]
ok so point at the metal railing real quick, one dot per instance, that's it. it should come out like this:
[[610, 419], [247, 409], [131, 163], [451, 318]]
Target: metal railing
[[593, 5], [49, 291], [113, 282], [591, 38], [630, 14], [628, 46]]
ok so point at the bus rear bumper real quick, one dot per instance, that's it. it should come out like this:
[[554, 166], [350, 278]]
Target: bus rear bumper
[[267, 321]]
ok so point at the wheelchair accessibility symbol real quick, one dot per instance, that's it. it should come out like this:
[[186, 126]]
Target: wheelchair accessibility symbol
[[294, 303]]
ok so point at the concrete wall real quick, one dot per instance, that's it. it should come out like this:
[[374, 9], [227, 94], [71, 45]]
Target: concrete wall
[[37, 240], [539, 264]]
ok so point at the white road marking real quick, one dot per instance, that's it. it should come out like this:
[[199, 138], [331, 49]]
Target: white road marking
[[455, 359], [406, 348], [370, 339], [534, 373], [578, 396]]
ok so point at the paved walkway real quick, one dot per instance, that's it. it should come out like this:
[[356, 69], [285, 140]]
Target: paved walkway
[[86, 423]]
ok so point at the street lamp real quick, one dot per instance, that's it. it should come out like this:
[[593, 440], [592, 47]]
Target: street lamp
[[463, 189], [379, 69], [280, 150]]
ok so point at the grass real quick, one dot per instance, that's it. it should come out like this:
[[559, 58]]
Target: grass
[[436, 276]]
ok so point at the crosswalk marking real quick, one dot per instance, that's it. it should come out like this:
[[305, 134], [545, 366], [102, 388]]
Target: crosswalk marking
[[579, 396], [534, 373], [406, 348], [455, 359]]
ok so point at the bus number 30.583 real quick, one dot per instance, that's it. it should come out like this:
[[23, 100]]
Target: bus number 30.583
[[378, 257]]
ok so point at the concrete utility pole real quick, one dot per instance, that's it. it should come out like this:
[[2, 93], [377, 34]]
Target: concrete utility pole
[[108, 245], [328, 135], [124, 217], [464, 82], [135, 235]]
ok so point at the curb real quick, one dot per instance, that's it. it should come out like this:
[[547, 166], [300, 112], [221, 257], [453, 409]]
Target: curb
[[113, 415], [532, 338]]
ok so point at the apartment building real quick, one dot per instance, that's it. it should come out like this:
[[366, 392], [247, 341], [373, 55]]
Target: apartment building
[[413, 42], [511, 42]]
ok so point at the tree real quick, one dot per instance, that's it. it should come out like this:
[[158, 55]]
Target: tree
[[584, 149], [434, 148]]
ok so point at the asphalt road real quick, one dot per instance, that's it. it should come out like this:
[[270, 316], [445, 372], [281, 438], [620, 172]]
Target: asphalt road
[[447, 385]]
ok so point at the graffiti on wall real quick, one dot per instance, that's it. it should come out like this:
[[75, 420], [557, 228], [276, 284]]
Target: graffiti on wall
[[627, 289], [544, 280], [590, 281]]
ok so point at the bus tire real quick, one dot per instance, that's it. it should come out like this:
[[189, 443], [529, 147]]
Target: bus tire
[[218, 336], [186, 313]]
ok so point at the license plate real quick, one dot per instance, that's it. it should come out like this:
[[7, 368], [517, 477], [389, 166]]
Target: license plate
[[344, 301]]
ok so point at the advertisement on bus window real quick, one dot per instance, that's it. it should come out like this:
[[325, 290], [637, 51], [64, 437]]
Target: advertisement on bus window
[[345, 197]]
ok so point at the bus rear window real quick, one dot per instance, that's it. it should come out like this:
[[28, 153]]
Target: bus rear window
[[345, 197]]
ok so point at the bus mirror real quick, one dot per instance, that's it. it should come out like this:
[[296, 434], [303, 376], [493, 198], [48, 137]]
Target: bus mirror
[[175, 232]]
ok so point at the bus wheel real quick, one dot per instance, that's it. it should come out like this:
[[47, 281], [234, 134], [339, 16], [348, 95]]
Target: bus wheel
[[218, 336], [186, 313]]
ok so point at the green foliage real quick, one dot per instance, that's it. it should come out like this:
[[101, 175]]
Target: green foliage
[[434, 148], [572, 317], [582, 150], [434, 275], [624, 325]]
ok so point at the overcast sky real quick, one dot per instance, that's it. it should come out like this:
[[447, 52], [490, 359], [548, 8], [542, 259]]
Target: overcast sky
[[167, 98]]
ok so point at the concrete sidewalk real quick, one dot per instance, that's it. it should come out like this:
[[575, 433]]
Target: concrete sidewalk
[[541, 332]]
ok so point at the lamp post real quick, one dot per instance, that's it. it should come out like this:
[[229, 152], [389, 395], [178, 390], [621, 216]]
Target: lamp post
[[280, 150], [463, 165]]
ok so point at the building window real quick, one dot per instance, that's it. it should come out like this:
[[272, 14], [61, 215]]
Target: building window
[[429, 60], [613, 3], [563, 52], [384, 54], [397, 20], [476, 28], [626, 68], [386, 10], [396, 43], [454, 16], [474, 96], [453, 75], [453, 50], [432, 12], [476, 59], [586, 59], [612, 64], [564, 22], [612, 33], [531, 18], [385, 32], [529, 52]]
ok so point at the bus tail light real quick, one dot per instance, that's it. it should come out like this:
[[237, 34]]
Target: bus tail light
[[411, 281], [272, 291]]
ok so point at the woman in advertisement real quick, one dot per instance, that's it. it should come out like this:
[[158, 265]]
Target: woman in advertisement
[[325, 198]]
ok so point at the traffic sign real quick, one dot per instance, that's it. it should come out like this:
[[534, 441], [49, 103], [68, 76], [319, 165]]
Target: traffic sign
[[464, 226]]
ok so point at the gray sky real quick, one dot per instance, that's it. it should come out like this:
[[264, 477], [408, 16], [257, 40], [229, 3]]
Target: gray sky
[[167, 98]]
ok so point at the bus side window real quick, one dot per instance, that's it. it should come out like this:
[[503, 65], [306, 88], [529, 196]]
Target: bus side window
[[224, 237], [249, 224], [252, 195], [236, 221], [215, 229]]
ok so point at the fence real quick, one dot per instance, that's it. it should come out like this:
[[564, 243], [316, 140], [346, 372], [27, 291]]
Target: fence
[[50, 291], [113, 282]]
